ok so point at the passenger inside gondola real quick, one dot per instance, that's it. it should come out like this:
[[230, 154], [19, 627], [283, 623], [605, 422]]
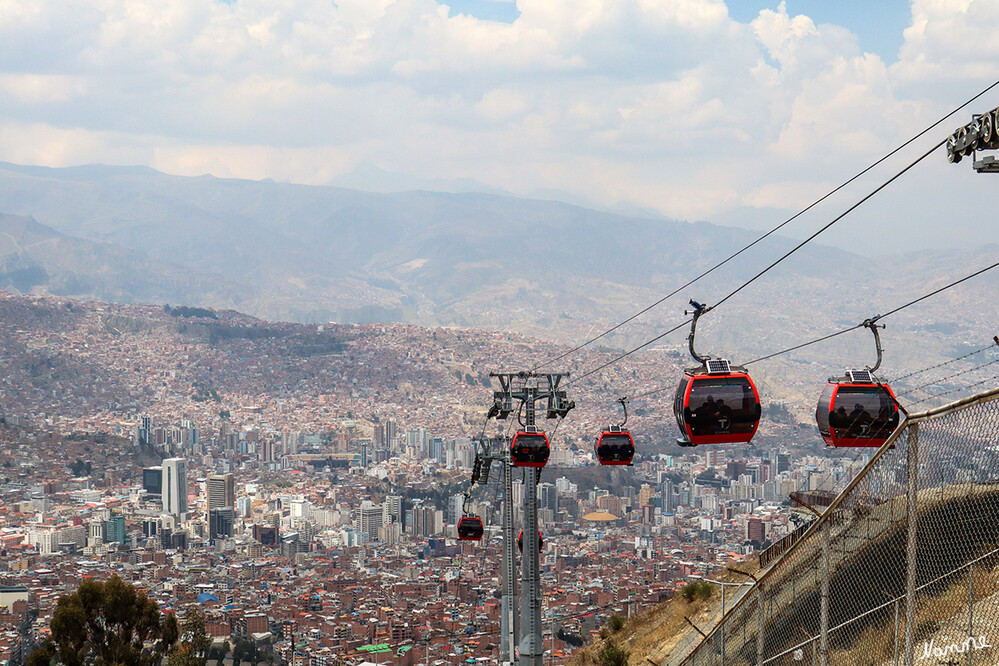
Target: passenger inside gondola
[[728, 408], [724, 416], [860, 423], [839, 418]]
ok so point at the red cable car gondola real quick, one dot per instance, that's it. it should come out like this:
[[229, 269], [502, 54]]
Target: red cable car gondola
[[857, 410], [529, 448], [615, 445], [470, 528], [520, 541], [716, 403]]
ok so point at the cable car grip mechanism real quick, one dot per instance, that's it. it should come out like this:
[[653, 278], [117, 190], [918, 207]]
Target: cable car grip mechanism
[[698, 310]]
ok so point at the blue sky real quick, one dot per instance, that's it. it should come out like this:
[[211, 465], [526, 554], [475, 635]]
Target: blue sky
[[487, 10], [878, 24], [693, 109]]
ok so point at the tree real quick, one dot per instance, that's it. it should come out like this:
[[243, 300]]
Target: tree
[[106, 623], [244, 651], [42, 655], [192, 650]]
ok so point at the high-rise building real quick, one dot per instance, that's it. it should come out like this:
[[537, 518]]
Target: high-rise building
[[244, 506], [98, 531], [670, 499], [115, 529], [436, 448], [755, 530], [416, 440], [150, 527], [455, 509], [221, 491], [220, 522], [266, 535], [152, 480], [369, 519], [426, 521], [392, 509], [548, 496], [267, 451], [175, 487], [645, 495], [144, 430]]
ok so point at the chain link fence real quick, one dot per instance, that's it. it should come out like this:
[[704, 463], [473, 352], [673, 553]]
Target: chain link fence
[[901, 569]]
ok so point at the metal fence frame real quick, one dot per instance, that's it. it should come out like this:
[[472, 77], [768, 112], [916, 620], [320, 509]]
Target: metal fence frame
[[751, 607]]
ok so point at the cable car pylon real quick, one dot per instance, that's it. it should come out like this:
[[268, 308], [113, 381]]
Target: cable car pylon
[[531, 451]]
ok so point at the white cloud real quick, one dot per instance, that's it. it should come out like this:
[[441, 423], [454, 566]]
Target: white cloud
[[42, 88], [950, 39], [667, 103]]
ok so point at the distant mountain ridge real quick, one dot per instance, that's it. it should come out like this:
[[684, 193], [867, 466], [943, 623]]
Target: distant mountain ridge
[[35, 257], [308, 253]]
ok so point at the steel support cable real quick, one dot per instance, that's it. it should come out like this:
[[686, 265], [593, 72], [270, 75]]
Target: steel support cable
[[777, 261], [629, 353], [880, 317], [764, 236], [845, 330], [943, 379], [829, 224], [962, 388], [940, 365]]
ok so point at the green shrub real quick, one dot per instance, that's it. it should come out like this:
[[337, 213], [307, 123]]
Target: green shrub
[[698, 589], [613, 654], [616, 623]]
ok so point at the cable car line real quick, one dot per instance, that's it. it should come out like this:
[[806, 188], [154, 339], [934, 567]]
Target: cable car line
[[767, 234], [831, 335], [805, 344], [630, 352], [773, 264], [829, 224], [887, 314], [945, 287], [953, 360]]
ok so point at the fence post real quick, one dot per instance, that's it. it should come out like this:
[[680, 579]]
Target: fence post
[[759, 624], [971, 609], [910, 548], [894, 659], [824, 600]]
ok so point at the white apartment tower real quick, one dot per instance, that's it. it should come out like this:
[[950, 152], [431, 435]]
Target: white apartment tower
[[175, 487]]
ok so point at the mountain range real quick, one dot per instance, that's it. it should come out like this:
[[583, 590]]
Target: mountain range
[[471, 259]]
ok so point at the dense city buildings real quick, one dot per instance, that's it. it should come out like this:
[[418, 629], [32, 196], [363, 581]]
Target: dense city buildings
[[309, 502]]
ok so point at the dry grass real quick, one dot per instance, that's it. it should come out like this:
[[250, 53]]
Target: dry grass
[[654, 635]]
